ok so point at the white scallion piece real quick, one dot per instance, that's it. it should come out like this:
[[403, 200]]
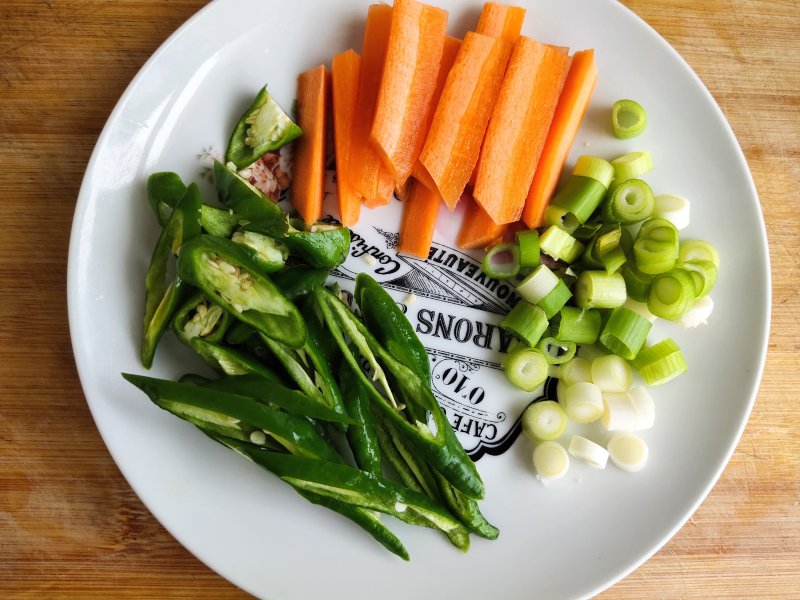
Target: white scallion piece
[[544, 420], [612, 373], [575, 370], [674, 209], [584, 402], [645, 407], [589, 452], [550, 460], [628, 451], [699, 313], [538, 284], [620, 412]]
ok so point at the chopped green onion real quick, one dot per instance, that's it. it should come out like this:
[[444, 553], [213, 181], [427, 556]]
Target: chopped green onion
[[627, 451], [661, 362], [544, 420], [611, 373], [671, 294], [581, 326], [526, 322], [620, 411], [555, 299], [598, 289], [639, 308], [656, 247], [550, 460], [526, 368], [557, 351], [628, 119], [645, 407], [528, 242], [636, 283], [589, 452], [595, 168], [583, 402], [586, 231], [575, 202], [501, 261], [560, 245], [607, 249], [538, 284], [698, 250], [674, 209], [704, 275], [699, 313], [632, 201], [625, 332], [632, 165], [576, 370]]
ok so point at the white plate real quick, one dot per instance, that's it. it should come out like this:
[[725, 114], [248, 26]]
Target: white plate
[[572, 539]]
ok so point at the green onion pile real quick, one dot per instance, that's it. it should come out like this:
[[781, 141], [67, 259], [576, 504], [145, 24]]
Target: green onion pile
[[591, 283]]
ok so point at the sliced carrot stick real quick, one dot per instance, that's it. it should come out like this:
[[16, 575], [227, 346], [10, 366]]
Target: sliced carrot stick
[[344, 85], [518, 127], [420, 212], [309, 157], [460, 120], [372, 181], [477, 229], [501, 21], [451, 46], [571, 108], [405, 98]]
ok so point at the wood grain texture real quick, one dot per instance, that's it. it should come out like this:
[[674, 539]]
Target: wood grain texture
[[70, 526]]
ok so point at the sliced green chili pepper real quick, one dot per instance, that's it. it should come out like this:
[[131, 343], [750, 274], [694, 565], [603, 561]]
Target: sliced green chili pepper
[[239, 333], [310, 371], [201, 318], [323, 246], [437, 444], [263, 127], [347, 484], [220, 222], [361, 436], [253, 208], [164, 190], [229, 275], [230, 361], [272, 392], [161, 300], [390, 326], [269, 253], [299, 280], [294, 433]]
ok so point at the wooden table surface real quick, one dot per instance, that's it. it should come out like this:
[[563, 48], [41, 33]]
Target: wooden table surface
[[71, 527]]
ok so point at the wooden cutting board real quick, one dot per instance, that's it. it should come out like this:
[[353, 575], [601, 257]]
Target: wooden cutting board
[[70, 526]]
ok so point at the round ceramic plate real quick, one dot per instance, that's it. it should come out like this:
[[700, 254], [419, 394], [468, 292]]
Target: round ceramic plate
[[570, 539]]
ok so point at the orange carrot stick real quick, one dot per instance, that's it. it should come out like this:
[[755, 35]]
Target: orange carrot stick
[[371, 179], [309, 157], [477, 229], [460, 120], [501, 21], [410, 71], [420, 212], [344, 78], [518, 128], [451, 46], [571, 108]]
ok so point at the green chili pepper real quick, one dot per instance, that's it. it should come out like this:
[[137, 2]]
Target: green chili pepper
[[161, 300], [239, 333], [299, 280], [269, 253], [347, 484], [439, 447], [201, 318], [324, 246], [254, 209], [390, 326], [310, 371], [361, 436], [263, 127], [296, 434], [229, 361], [272, 392], [164, 190], [230, 277], [220, 222]]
